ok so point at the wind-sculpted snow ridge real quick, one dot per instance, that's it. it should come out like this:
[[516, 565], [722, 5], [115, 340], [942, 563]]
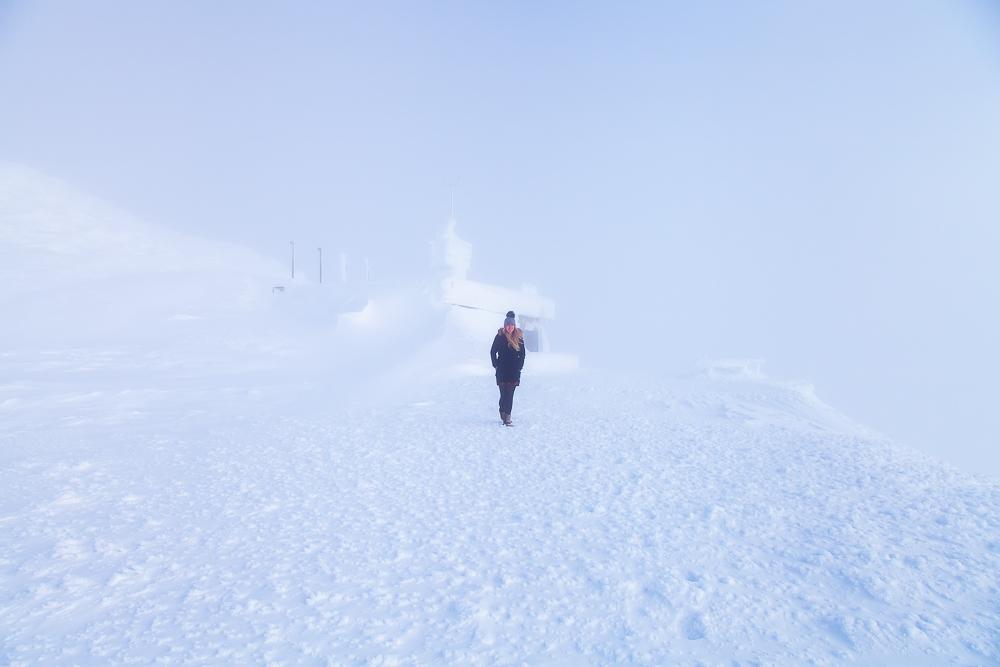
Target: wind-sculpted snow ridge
[[683, 522]]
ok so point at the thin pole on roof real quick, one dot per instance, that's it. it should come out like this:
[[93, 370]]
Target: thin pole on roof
[[453, 187]]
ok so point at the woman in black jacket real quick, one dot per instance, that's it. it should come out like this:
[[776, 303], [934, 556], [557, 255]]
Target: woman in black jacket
[[507, 355]]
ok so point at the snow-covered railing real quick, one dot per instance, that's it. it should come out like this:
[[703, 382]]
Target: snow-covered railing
[[733, 368]]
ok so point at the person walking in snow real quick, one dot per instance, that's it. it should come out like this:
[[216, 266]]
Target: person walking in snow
[[507, 356]]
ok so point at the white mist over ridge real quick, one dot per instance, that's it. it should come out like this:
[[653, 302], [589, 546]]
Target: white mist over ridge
[[50, 229], [782, 181], [78, 269], [81, 271]]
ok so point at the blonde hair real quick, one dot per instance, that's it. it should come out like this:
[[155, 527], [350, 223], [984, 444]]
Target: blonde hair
[[514, 338]]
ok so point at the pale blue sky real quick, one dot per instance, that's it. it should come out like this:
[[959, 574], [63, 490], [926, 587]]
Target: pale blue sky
[[812, 183]]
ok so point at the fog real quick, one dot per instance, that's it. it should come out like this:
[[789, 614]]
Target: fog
[[811, 185]]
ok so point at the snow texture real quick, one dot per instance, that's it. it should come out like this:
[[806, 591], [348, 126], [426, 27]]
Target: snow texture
[[158, 515]]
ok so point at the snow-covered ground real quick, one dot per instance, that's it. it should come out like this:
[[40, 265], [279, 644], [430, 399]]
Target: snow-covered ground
[[194, 469], [155, 513]]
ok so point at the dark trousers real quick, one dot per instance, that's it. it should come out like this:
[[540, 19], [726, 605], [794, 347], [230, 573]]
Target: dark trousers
[[507, 397]]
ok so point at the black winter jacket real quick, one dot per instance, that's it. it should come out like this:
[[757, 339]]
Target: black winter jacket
[[506, 359]]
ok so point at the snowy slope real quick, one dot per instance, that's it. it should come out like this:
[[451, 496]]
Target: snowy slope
[[692, 521], [69, 258], [70, 233]]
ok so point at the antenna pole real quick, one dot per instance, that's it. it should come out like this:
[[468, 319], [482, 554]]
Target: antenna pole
[[293, 258], [454, 186]]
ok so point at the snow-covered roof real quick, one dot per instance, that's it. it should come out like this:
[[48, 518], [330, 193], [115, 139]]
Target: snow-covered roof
[[472, 294], [459, 291]]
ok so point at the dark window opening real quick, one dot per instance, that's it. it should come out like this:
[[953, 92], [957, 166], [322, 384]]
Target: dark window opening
[[531, 340]]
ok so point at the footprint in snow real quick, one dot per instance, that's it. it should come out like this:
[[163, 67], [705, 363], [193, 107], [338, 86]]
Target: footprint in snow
[[693, 626]]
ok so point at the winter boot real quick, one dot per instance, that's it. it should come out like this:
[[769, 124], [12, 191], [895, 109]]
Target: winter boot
[[506, 420]]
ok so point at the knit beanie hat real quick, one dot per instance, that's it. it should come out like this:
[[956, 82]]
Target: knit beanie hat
[[510, 318]]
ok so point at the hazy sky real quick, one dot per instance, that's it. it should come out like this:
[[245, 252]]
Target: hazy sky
[[811, 183]]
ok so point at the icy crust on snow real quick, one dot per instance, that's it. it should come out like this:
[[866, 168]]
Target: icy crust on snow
[[683, 522]]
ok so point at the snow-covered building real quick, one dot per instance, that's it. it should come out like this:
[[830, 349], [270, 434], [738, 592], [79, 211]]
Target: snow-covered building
[[477, 309]]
